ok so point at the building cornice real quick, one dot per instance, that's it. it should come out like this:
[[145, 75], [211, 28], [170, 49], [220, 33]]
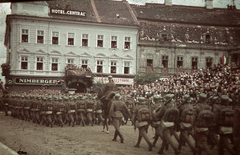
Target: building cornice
[[70, 21]]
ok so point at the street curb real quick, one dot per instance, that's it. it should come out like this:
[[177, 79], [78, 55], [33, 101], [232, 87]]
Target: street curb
[[7, 149]]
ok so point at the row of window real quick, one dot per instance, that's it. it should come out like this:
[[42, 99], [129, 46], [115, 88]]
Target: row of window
[[55, 64], [209, 61], [71, 38]]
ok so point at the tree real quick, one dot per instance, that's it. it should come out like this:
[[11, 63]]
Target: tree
[[145, 78]]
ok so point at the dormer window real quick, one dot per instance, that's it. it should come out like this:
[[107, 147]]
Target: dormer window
[[164, 37], [207, 38]]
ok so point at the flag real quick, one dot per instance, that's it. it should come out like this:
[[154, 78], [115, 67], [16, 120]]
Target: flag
[[59, 81], [224, 60]]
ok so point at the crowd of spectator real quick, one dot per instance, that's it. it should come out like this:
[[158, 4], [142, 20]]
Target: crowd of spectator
[[219, 80]]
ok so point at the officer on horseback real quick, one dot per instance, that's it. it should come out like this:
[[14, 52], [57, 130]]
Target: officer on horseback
[[110, 86]]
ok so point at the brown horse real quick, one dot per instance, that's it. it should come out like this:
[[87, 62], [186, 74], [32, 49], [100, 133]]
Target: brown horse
[[106, 105]]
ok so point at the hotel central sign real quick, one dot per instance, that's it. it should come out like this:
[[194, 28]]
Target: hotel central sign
[[68, 12]]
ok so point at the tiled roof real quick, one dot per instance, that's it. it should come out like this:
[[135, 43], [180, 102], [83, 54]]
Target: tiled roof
[[106, 9], [187, 14], [152, 30]]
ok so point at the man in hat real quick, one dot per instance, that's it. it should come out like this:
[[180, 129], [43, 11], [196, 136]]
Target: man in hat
[[203, 118], [142, 123], [116, 114], [109, 87]]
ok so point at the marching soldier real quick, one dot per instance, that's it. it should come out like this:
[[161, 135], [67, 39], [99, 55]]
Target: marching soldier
[[90, 107], [157, 102], [6, 103], [185, 122], [130, 105], [224, 116], [203, 118], [81, 109], [116, 114], [168, 114], [142, 117], [236, 127]]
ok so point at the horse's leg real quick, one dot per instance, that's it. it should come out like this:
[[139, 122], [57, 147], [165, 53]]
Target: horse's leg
[[105, 121]]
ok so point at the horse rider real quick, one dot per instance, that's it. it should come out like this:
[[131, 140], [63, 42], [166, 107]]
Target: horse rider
[[110, 86]]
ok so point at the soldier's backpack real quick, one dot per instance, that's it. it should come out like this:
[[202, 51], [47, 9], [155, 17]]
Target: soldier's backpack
[[130, 105], [81, 105], [171, 114], [90, 105], [205, 118], [61, 108], [187, 115], [72, 106], [226, 117], [144, 114]]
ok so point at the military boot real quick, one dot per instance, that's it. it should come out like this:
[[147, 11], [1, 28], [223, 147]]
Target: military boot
[[121, 136], [115, 136], [138, 142]]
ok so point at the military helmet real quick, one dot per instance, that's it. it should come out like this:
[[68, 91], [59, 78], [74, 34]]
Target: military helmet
[[155, 98], [224, 99], [117, 96], [65, 98], [110, 77], [202, 97], [128, 96], [168, 96], [186, 96], [141, 100], [160, 98]]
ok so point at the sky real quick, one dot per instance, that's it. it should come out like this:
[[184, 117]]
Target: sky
[[216, 3]]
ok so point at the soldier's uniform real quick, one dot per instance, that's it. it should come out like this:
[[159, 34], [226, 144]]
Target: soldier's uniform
[[236, 128], [6, 103], [168, 114], [90, 108], [81, 110], [157, 103], [27, 106], [141, 121], [185, 122], [130, 105], [60, 110], [43, 110], [99, 112], [116, 113], [71, 108], [224, 117], [108, 87], [201, 128]]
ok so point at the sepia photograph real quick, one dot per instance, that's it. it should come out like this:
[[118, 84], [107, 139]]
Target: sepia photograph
[[119, 77]]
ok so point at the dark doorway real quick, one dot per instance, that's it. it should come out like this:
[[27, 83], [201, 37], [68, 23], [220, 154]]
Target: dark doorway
[[81, 88]]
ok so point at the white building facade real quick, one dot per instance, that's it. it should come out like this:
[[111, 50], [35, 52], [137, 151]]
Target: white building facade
[[42, 40]]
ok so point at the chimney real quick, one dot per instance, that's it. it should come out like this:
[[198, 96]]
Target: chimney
[[209, 4], [168, 2]]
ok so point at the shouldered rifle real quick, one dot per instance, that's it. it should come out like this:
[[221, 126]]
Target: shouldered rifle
[[183, 102], [165, 103]]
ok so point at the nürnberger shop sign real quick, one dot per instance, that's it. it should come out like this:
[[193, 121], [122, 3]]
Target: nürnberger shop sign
[[68, 12], [35, 81]]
